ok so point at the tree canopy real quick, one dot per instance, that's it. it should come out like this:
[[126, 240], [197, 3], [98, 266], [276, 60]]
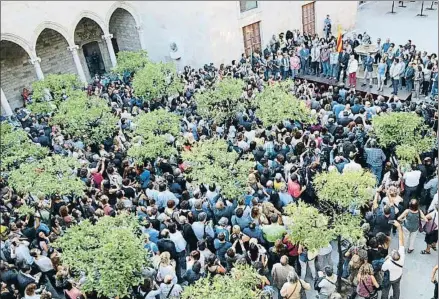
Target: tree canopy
[[49, 176], [94, 126], [129, 61], [110, 253], [152, 133], [155, 80], [406, 130], [276, 104], [57, 86], [211, 162], [16, 147], [223, 101], [241, 283], [308, 226]]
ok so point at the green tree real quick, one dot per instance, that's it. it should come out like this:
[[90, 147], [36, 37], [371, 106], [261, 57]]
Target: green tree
[[406, 131], [89, 118], [16, 147], [156, 80], [211, 162], [131, 61], [223, 101], [57, 86], [308, 226], [338, 194], [151, 135], [49, 176], [241, 283], [276, 104], [110, 253]]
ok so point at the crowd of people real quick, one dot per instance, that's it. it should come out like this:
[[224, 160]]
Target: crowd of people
[[189, 233]]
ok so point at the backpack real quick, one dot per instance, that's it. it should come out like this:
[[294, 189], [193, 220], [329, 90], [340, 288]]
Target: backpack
[[377, 265], [209, 241], [318, 280]]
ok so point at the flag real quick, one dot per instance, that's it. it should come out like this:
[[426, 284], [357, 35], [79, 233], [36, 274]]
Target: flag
[[339, 40]]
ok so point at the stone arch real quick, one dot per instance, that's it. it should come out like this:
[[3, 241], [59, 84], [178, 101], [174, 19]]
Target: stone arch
[[17, 72], [123, 5], [89, 15], [123, 26], [19, 41], [88, 36], [51, 46], [54, 26]]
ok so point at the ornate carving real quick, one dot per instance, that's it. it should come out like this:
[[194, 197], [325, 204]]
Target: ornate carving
[[88, 30]]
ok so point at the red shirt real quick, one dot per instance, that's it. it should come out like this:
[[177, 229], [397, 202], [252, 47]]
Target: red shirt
[[293, 189]]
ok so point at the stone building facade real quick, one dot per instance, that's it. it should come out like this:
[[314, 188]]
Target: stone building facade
[[44, 37]]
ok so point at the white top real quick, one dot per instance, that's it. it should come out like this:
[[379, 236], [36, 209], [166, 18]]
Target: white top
[[395, 271], [433, 203], [44, 263], [352, 166], [179, 241], [412, 178]]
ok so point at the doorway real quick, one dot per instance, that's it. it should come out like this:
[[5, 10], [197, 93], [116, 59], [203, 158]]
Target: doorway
[[93, 57], [308, 18], [252, 38], [115, 45]]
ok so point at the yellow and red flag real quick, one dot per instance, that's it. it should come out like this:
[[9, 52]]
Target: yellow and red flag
[[339, 40]]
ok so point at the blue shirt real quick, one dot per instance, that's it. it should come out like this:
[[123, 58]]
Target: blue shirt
[[163, 197], [153, 234], [152, 248], [144, 178], [198, 228], [285, 198], [382, 68], [337, 109]]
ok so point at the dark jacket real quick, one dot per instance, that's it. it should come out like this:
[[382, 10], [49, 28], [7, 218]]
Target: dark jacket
[[189, 236], [24, 281], [169, 246]]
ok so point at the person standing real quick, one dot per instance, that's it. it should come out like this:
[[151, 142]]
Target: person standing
[[280, 272], [395, 74], [409, 74], [411, 182], [343, 60], [367, 283], [285, 66], [295, 65], [411, 217], [394, 264], [368, 70], [418, 79], [304, 55], [352, 71], [327, 24], [381, 73], [375, 158], [333, 60], [324, 57]]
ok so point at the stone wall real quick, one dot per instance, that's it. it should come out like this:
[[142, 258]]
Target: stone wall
[[55, 57], [123, 28], [16, 72]]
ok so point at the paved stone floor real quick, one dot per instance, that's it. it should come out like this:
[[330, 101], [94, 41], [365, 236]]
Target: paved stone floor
[[373, 17], [417, 270]]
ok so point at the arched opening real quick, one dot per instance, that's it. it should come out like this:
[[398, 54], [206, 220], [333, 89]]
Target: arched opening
[[93, 51], [51, 47], [17, 72], [123, 27]]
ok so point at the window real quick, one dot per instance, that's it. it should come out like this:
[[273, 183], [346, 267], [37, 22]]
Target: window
[[252, 38], [247, 5], [308, 18]]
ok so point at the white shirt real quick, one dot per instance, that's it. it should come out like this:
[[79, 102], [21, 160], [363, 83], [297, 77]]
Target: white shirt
[[179, 241], [395, 271], [44, 263], [411, 178], [433, 203], [352, 166]]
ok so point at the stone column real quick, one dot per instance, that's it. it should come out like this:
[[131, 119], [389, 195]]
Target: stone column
[[107, 39], [5, 104], [36, 62], [80, 70], [142, 41]]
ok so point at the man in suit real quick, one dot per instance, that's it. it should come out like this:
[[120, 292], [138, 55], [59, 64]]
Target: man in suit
[[368, 70], [343, 60]]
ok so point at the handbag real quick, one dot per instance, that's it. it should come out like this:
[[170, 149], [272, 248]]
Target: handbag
[[430, 226], [372, 295]]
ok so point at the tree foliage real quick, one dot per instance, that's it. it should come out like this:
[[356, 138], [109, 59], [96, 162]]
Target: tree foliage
[[131, 61], [349, 189], [211, 162], [277, 104], [152, 132], [308, 226], [109, 253], [51, 175], [221, 102], [156, 80], [406, 130], [89, 118], [241, 283], [57, 86], [16, 147]]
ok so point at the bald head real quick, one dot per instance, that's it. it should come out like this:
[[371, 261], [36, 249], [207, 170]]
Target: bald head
[[284, 260]]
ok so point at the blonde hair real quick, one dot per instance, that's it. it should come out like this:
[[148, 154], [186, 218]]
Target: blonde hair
[[236, 229], [165, 258], [365, 269]]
